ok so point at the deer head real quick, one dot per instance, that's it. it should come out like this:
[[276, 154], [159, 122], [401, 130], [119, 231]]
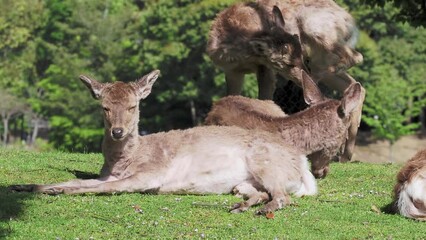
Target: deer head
[[281, 50], [120, 103]]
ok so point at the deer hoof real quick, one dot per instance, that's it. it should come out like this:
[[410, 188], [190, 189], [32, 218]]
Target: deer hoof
[[22, 188]]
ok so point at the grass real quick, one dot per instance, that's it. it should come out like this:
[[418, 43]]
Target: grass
[[345, 208]]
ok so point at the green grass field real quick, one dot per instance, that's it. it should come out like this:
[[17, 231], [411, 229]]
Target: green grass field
[[345, 208]]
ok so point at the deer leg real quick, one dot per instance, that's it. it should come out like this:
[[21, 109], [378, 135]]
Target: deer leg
[[136, 183], [234, 82], [345, 57], [280, 198], [249, 192], [266, 82], [58, 188], [355, 122]]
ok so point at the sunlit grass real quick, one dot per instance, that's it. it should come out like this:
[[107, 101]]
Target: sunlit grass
[[345, 208]]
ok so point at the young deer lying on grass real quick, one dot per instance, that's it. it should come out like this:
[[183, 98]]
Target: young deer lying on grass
[[319, 131], [268, 36], [410, 189], [253, 163]]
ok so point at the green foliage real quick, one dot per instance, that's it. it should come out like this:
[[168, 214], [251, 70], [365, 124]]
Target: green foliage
[[345, 208], [413, 11], [387, 107], [391, 72], [74, 138], [45, 45]]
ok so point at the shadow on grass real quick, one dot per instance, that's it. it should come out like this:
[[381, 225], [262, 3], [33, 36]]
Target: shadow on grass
[[12, 203], [389, 209], [11, 206], [82, 174]]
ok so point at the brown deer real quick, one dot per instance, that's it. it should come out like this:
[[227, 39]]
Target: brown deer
[[277, 36], [319, 131], [254, 164], [410, 189]]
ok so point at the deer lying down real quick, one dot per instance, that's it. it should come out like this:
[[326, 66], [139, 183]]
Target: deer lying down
[[410, 189], [319, 131], [243, 112], [266, 37], [253, 163]]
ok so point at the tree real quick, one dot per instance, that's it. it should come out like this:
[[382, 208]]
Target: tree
[[10, 107], [391, 73], [413, 11]]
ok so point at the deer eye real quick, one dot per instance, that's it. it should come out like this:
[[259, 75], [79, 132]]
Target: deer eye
[[286, 48], [131, 109], [106, 109]]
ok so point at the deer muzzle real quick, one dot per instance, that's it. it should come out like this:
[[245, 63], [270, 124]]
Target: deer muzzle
[[117, 133]]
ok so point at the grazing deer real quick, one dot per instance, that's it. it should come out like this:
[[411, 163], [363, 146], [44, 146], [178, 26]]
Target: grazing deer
[[277, 36], [410, 189], [319, 131], [254, 164]]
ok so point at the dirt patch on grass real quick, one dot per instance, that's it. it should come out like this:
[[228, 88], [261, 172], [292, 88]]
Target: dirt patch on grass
[[378, 151]]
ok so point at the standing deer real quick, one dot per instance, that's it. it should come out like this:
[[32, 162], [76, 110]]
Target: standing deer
[[410, 189], [254, 164], [285, 36], [319, 131]]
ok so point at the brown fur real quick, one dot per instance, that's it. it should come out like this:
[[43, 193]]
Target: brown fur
[[253, 163], [410, 199], [320, 131], [320, 35], [240, 111]]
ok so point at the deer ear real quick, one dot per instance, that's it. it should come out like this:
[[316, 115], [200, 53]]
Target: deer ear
[[277, 17], [259, 47], [94, 86], [311, 93], [351, 98], [144, 85]]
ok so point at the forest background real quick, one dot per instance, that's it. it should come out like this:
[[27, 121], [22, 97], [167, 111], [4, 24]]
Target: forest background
[[46, 44]]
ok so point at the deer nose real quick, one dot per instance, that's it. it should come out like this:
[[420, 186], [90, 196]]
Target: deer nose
[[117, 132]]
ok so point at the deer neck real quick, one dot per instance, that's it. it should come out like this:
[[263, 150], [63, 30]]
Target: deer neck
[[310, 130], [115, 151]]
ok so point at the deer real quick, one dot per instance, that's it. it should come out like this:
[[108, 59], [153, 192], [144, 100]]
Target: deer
[[410, 189], [270, 37], [319, 131], [252, 164]]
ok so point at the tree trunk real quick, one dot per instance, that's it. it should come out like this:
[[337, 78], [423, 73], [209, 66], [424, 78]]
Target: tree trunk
[[6, 130], [193, 113], [423, 121], [35, 131]]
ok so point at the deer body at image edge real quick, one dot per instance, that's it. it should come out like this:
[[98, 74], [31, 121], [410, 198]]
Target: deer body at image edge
[[410, 189]]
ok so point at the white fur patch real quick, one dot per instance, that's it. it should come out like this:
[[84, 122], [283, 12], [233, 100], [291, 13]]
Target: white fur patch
[[309, 184], [206, 169], [415, 190]]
